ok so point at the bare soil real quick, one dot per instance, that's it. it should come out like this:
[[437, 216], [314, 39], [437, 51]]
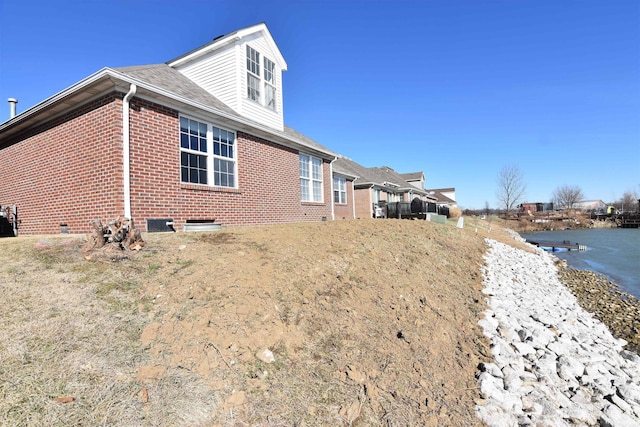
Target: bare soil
[[367, 322]]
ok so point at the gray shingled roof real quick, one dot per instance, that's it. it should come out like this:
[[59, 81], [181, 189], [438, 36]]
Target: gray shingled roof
[[412, 176], [172, 80], [292, 133], [169, 79], [373, 176], [348, 167], [441, 198]]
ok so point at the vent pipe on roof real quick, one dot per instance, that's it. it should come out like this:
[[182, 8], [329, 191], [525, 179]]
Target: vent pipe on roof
[[12, 107]]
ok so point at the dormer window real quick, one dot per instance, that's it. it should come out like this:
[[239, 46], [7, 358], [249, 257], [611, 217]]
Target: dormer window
[[253, 74], [255, 82], [269, 84]]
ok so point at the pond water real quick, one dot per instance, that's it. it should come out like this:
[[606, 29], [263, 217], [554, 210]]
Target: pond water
[[613, 252]]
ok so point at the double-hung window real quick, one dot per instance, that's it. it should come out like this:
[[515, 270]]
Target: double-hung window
[[310, 178], [339, 190], [193, 151], [261, 88], [253, 74], [207, 154], [269, 84]]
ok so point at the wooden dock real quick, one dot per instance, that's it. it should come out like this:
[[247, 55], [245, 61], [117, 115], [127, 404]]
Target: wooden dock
[[555, 246], [628, 220]]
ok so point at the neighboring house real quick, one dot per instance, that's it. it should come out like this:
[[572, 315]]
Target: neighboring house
[[533, 207], [344, 206], [372, 186], [590, 205], [414, 178], [201, 137], [444, 196]]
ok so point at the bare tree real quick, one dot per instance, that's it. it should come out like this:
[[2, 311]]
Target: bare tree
[[511, 188], [567, 195], [628, 201]]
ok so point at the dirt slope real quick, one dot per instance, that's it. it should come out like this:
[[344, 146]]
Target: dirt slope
[[368, 322]]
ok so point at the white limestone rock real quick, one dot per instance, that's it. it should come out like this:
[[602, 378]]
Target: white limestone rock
[[554, 363], [612, 416]]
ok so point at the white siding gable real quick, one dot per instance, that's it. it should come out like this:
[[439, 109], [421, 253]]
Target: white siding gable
[[220, 67], [216, 73]]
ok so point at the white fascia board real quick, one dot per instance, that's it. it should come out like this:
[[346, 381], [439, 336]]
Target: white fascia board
[[230, 39], [262, 27], [245, 125], [413, 190], [56, 98], [218, 44], [366, 184], [345, 175]]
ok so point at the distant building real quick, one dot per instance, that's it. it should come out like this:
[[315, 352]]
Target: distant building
[[414, 178], [533, 207], [444, 196], [590, 205], [374, 187]]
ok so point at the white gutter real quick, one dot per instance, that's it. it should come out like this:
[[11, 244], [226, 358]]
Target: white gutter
[[55, 98], [126, 172], [194, 54], [333, 206], [224, 115], [108, 72]]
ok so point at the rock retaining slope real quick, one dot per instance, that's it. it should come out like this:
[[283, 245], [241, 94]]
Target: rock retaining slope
[[554, 363]]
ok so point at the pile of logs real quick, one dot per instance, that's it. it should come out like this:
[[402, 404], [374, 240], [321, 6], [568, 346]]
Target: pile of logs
[[119, 234]]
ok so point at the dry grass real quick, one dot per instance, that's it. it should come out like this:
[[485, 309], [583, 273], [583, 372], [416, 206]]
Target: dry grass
[[70, 328], [372, 323], [455, 213]]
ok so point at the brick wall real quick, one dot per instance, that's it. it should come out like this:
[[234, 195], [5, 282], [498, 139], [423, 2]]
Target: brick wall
[[364, 202], [268, 179], [345, 211], [70, 172]]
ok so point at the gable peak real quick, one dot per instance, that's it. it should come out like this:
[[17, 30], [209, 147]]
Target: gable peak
[[223, 40]]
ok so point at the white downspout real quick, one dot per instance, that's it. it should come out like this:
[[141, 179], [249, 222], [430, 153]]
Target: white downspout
[[353, 198], [126, 178], [333, 207]]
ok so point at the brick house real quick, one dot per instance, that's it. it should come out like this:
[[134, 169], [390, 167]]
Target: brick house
[[373, 187], [201, 137], [416, 179], [344, 203], [444, 196]]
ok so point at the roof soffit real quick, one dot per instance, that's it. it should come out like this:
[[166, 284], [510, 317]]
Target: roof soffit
[[95, 85]]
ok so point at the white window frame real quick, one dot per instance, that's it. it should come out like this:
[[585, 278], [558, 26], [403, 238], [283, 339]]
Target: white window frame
[[210, 155], [261, 87], [339, 190], [311, 181], [269, 83], [253, 61]]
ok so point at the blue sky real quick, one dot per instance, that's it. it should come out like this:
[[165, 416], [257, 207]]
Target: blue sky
[[457, 89]]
